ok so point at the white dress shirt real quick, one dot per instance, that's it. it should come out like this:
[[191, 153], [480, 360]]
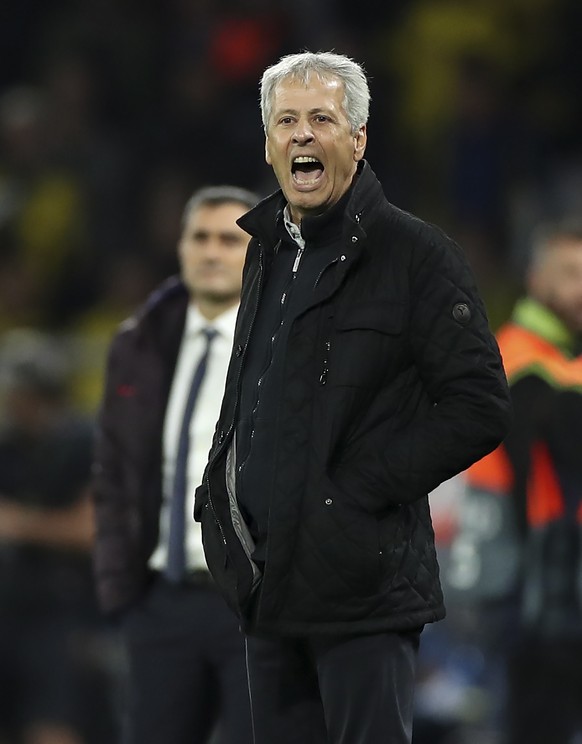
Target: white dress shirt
[[202, 424]]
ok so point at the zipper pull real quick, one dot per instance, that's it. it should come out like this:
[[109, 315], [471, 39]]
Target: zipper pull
[[297, 260]]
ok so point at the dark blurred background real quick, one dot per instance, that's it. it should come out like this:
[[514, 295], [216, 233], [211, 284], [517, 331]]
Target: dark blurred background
[[113, 111]]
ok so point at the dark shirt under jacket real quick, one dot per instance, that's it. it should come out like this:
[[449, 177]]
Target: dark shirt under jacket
[[286, 295]]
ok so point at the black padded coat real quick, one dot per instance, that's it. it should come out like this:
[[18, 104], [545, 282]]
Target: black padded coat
[[393, 383]]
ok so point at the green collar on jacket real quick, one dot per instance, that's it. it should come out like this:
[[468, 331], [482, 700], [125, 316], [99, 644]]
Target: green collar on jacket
[[537, 318]]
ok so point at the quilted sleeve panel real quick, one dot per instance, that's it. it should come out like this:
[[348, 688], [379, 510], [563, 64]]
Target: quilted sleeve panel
[[467, 411]]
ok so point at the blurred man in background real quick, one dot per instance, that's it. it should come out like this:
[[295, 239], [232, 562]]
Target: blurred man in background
[[164, 386], [46, 528], [538, 471]]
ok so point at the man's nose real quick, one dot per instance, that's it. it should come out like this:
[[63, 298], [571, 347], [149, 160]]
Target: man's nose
[[212, 249], [302, 133]]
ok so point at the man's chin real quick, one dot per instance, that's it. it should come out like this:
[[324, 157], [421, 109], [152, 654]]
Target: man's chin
[[308, 207], [217, 296]]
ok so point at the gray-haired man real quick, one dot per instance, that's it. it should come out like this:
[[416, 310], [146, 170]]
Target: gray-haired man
[[364, 374]]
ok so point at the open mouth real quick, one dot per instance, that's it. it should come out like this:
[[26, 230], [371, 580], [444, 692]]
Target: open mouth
[[306, 170]]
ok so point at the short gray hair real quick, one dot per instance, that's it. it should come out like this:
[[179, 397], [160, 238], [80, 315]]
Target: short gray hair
[[325, 65], [216, 196]]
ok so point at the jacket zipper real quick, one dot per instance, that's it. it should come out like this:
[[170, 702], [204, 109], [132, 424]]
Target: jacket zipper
[[325, 366], [282, 303], [327, 343], [255, 309]]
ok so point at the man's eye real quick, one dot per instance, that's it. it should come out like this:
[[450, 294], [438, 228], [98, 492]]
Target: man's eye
[[285, 120], [321, 118]]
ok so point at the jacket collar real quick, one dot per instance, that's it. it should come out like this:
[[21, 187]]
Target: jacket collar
[[261, 221], [162, 316], [537, 318]]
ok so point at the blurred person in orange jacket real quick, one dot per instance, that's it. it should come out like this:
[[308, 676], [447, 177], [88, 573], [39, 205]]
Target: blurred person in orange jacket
[[539, 468]]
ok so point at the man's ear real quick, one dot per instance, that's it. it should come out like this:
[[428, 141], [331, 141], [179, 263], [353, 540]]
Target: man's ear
[[267, 155], [360, 142]]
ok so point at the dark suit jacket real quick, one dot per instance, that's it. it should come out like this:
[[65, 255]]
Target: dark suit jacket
[[127, 471]]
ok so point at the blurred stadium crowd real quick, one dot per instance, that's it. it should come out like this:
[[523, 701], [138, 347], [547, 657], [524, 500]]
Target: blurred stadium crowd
[[113, 112]]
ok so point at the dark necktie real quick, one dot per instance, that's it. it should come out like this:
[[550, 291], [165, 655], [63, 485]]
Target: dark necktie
[[176, 550]]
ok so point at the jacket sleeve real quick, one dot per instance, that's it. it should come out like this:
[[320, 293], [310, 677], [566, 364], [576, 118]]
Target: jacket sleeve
[[467, 411], [112, 554]]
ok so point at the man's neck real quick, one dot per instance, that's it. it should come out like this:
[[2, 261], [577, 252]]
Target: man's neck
[[211, 309]]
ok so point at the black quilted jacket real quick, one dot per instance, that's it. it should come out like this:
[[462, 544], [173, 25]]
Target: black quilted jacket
[[393, 383]]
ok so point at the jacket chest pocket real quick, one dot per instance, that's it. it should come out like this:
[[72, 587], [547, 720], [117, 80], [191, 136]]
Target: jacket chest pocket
[[366, 345]]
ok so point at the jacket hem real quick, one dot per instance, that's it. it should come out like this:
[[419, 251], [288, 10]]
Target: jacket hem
[[393, 624]]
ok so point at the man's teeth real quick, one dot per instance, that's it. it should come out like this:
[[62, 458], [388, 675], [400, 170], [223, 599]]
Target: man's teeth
[[305, 159]]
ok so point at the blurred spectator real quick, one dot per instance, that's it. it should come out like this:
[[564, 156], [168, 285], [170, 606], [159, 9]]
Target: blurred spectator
[[524, 540], [46, 530], [165, 376]]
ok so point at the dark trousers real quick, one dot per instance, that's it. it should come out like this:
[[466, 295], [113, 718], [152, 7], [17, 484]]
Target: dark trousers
[[339, 690], [186, 669]]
